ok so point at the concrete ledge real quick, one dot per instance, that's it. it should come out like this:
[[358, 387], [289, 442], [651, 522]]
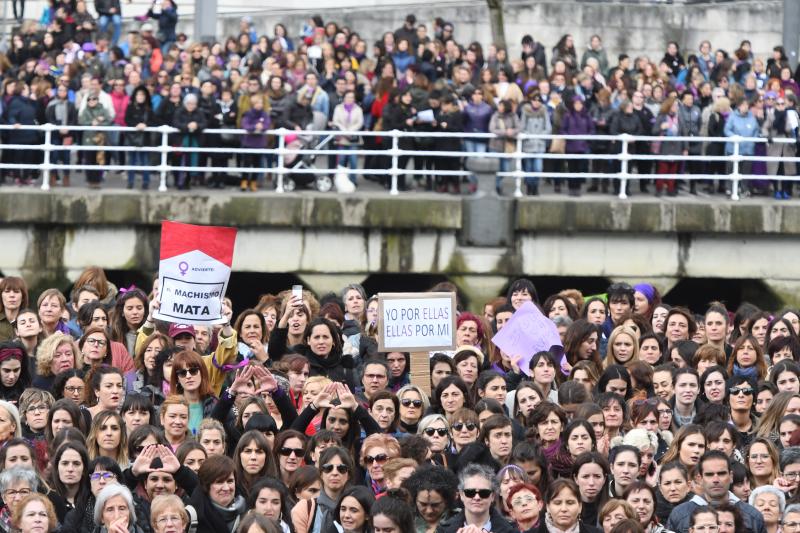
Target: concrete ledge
[[418, 211], [650, 215]]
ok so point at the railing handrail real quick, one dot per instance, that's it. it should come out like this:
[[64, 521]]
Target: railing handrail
[[400, 133]]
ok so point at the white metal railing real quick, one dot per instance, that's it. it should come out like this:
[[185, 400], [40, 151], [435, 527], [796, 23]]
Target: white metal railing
[[394, 152]]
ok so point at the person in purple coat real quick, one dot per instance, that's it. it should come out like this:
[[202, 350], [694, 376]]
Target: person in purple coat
[[576, 121], [256, 121]]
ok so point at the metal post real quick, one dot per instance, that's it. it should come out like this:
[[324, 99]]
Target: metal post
[[47, 147], [518, 167], [735, 176], [280, 168], [395, 171], [791, 30], [624, 156], [162, 186]]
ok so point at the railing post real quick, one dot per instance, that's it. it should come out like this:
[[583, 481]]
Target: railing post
[[163, 168], [395, 170], [624, 157], [518, 167], [735, 176], [280, 169], [47, 148]]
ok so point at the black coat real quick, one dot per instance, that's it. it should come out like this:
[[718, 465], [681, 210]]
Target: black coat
[[139, 114], [72, 116], [22, 110], [453, 123], [394, 118], [183, 118], [499, 524]]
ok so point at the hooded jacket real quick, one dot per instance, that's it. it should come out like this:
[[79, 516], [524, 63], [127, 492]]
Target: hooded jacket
[[535, 122]]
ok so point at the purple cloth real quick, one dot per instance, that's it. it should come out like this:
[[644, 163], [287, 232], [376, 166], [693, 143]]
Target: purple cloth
[[646, 289]]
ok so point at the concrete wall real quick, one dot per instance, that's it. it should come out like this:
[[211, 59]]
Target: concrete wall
[[631, 28], [325, 238]]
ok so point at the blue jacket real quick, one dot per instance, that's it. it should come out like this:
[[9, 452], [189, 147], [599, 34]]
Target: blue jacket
[[744, 126], [679, 517], [402, 60], [476, 118]]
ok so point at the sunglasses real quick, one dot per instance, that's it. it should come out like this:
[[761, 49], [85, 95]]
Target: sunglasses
[[458, 426], [736, 391], [183, 372], [286, 451], [380, 458], [341, 468], [441, 431], [483, 493], [406, 402]]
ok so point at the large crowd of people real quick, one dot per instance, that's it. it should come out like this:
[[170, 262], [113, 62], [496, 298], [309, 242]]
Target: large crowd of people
[[74, 67], [287, 418]]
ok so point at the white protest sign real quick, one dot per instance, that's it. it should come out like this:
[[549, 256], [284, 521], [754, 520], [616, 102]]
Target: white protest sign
[[416, 322], [193, 272]]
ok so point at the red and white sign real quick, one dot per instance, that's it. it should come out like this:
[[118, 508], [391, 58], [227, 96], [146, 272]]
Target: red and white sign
[[193, 273]]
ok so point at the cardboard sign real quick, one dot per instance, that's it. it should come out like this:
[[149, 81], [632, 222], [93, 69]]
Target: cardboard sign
[[527, 332], [193, 272], [416, 322]]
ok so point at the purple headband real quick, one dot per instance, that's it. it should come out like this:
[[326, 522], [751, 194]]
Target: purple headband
[[646, 289]]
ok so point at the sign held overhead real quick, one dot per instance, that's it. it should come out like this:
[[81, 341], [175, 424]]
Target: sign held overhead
[[416, 322]]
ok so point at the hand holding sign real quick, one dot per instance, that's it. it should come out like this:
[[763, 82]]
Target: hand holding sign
[[527, 332]]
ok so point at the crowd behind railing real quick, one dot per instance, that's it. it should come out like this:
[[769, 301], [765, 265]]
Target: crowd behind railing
[[74, 68]]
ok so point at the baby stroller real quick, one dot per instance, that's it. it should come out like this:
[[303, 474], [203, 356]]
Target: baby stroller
[[297, 180]]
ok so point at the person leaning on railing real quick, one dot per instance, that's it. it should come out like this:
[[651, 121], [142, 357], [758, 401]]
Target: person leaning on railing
[[94, 115], [191, 121], [61, 112], [742, 123]]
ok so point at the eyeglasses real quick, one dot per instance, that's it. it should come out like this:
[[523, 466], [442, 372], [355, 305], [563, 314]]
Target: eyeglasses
[[791, 475], [106, 476], [482, 493], [791, 525], [375, 377], [341, 468], [73, 390], [440, 431], [34, 408], [183, 372], [286, 451], [759, 456], [736, 391], [380, 458], [90, 340], [705, 528], [173, 519], [405, 402], [665, 412], [10, 493], [458, 426], [522, 500]]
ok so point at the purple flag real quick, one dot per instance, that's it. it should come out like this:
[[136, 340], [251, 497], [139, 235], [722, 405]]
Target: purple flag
[[526, 333]]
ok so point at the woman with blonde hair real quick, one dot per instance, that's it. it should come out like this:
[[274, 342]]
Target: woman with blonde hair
[[782, 404], [34, 514], [762, 461], [166, 509], [615, 511], [57, 353], [375, 451], [623, 347]]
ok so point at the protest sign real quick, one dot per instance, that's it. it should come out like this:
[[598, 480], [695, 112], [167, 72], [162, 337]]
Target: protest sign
[[415, 322], [193, 272], [527, 332]]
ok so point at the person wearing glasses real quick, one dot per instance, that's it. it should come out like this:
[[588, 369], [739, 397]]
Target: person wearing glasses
[[104, 471], [770, 502], [96, 348], [376, 450], [34, 405], [703, 520], [375, 378], [477, 489], [289, 450], [168, 514], [713, 488], [336, 470], [436, 430], [15, 484], [413, 403], [761, 460], [790, 522], [741, 396]]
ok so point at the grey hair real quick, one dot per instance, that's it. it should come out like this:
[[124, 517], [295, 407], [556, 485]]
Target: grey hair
[[768, 489], [356, 287], [793, 508], [190, 97], [16, 474], [562, 320], [478, 470], [790, 456], [12, 410], [430, 419], [106, 494]]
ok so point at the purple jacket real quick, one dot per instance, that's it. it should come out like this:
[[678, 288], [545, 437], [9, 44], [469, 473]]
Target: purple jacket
[[476, 118], [577, 124], [249, 121]]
